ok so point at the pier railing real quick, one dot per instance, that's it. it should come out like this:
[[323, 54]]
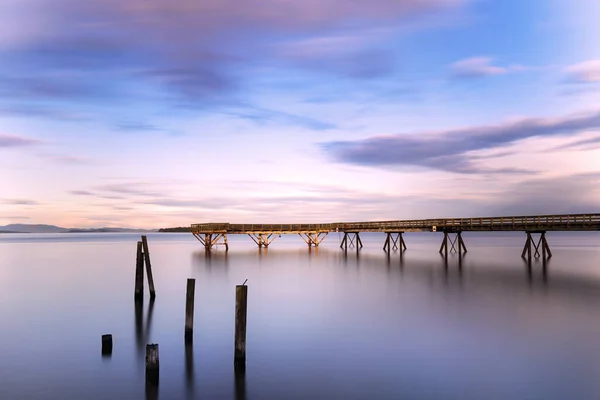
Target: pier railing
[[575, 222]]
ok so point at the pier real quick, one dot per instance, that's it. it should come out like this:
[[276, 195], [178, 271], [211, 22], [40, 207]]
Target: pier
[[536, 227]]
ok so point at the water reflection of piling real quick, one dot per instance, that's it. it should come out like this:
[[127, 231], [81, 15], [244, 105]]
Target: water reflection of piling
[[240, 382], [189, 368], [142, 331]]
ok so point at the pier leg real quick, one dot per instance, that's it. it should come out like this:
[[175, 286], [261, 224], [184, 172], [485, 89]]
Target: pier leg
[[443, 243], [148, 268], [189, 309], [402, 242], [529, 248], [152, 364], [386, 245], [359, 242], [139, 274], [241, 307], [461, 243], [344, 243]]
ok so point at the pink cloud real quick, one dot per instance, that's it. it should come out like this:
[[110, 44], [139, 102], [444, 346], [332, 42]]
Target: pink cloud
[[585, 72]]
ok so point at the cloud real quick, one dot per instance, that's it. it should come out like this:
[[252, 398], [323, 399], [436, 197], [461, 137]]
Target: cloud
[[263, 115], [585, 72], [20, 202], [477, 67], [584, 144], [203, 53], [65, 159], [16, 141], [450, 150], [575, 194], [81, 193]]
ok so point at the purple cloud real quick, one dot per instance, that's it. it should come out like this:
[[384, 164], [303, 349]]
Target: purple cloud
[[449, 150], [16, 141]]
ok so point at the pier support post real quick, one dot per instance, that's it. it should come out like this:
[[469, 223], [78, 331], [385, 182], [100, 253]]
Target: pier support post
[[532, 248], [152, 363], [189, 310], [394, 243], [313, 238], [241, 307], [351, 239], [139, 274], [263, 239], [210, 240], [148, 268], [456, 245]]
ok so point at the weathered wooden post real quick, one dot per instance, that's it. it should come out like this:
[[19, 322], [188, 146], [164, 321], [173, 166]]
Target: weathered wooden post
[[189, 309], [148, 267], [241, 303], [139, 274], [107, 344], [152, 364]]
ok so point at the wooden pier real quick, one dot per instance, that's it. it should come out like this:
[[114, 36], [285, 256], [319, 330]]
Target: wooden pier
[[215, 234]]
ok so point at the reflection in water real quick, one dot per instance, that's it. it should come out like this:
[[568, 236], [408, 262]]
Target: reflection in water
[[240, 381], [189, 367], [151, 389], [142, 332], [213, 261]]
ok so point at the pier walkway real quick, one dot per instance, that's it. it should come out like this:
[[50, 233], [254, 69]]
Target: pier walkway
[[213, 234]]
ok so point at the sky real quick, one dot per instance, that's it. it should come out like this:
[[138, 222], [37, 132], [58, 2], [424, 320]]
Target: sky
[[161, 113]]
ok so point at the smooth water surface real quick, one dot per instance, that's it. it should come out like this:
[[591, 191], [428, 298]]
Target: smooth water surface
[[321, 324]]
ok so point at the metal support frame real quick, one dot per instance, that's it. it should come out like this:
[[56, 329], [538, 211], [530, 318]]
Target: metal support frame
[[210, 240], [532, 249], [263, 239], [351, 239], [313, 238], [394, 243], [452, 248]]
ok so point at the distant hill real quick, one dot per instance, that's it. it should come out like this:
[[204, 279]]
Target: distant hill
[[178, 229], [27, 228]]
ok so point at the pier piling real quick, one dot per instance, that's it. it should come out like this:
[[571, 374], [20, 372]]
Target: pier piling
[[152, 363], [107, 344], [189, 309], [139, 274], [241, 306], [148, 267]]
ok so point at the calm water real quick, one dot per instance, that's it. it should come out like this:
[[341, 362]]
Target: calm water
[[321, 324]]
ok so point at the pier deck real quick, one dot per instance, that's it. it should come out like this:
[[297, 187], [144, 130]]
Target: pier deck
[[213, 234]]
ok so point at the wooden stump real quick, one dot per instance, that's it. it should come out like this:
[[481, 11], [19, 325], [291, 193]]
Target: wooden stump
[[189, 310], [241, 303], [148, 267], [152, 364], [107, 344], [139, 274]]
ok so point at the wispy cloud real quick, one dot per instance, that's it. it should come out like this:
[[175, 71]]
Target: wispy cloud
[[585, 72], [450, 150], [20, 202], [16, 141], [477, 67], [65, 159]]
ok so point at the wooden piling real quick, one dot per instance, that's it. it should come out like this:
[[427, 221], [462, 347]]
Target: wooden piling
[[189, 309], [152, 362], [241, 306], [529, 248], [107, 344], [148, 267], [139, 274], [446, 245]]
